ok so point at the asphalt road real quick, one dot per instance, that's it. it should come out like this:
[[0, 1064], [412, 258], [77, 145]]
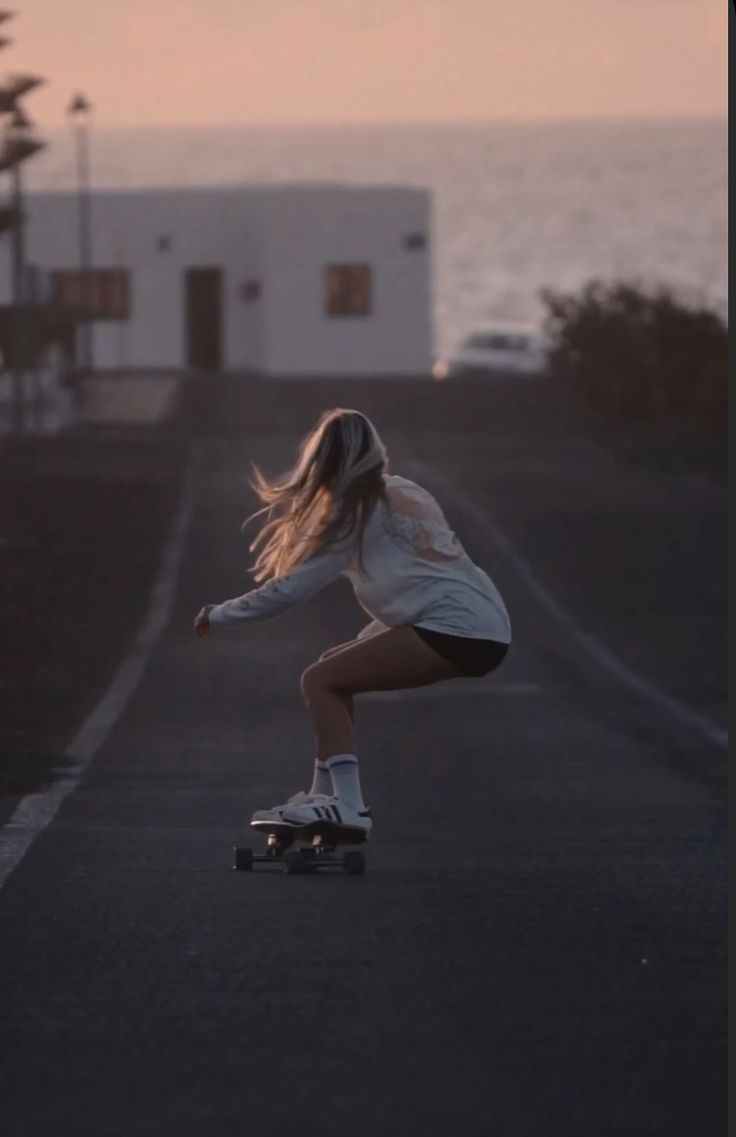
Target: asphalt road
[[537, 948]]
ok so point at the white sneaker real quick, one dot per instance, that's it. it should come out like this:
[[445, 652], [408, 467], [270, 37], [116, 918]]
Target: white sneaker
[[322, 808], [276, 813]]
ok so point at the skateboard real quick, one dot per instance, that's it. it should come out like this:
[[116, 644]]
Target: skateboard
[[318, 848]]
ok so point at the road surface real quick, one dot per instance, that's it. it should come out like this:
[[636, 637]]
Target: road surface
[[538, 946]]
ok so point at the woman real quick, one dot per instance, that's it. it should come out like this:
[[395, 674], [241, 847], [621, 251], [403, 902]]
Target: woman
[[434, 614]]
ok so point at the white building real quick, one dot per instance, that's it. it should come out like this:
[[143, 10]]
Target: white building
[[315, 279]]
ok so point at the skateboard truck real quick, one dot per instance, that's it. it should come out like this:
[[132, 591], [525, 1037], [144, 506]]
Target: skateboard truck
[[320, 852]]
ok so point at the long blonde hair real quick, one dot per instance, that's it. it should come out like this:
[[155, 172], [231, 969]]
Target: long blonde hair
[[328, 495]]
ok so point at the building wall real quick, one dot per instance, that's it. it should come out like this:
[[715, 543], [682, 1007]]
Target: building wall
[[308, 229], [240, 241], [199, 228], [273, 244]]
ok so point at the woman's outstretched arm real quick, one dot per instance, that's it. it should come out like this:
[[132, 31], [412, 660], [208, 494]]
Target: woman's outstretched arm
[[276, 596]]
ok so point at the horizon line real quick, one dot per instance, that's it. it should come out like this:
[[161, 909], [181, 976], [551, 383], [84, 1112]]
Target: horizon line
[[644, 118]]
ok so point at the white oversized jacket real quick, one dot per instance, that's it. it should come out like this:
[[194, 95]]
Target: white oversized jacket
[[416, 572]]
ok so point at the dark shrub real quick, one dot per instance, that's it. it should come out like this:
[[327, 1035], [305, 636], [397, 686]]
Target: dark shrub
[[638, 357]]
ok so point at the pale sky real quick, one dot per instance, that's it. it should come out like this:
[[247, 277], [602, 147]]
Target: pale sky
[[195, 62]]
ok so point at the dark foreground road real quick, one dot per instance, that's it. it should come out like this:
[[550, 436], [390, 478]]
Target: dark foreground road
[[537, 949]]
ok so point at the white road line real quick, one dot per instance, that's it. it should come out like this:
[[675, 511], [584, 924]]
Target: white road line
[[37, 810], [590, 644]]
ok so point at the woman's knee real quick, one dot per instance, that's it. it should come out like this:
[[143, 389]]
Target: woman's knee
[[312, 680], [322, 676]]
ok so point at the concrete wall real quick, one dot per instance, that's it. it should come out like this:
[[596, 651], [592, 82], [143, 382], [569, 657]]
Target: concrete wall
[[307, 229], [282, 237], [202, 227]]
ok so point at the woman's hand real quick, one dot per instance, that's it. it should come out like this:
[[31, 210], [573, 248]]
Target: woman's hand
[[202, 621]]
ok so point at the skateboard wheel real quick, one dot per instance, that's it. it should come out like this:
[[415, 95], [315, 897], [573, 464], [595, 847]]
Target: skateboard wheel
[[354, 863], [243, 859], [295, 862]]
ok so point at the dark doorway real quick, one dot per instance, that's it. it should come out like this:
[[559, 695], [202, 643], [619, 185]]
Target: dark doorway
[[203, 316]]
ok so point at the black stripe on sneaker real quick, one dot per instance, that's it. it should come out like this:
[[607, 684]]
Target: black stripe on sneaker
[[337, 814]]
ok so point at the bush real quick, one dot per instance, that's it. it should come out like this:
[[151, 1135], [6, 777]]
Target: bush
[[638, 357]]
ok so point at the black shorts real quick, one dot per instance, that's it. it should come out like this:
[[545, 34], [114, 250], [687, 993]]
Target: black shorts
[[472, 656]]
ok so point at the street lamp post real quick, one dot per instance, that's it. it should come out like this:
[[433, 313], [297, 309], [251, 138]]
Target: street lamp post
[[79, 113]]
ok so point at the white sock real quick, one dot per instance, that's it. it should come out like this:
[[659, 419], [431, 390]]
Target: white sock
[[343, 769], [322, 780]]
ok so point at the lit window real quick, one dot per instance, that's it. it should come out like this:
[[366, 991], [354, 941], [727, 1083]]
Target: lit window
[[348, 290], [98, 294]]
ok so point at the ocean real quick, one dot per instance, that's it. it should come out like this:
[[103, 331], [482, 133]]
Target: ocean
[[517, 207]]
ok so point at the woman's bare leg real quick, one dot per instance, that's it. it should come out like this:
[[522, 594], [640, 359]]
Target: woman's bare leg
[[389, 661], [348, 699]]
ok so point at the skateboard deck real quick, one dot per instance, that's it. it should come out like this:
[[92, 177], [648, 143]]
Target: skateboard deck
[[318, 843]]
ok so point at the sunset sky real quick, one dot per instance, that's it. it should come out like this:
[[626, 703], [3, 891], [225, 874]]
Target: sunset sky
[[150, 62]]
